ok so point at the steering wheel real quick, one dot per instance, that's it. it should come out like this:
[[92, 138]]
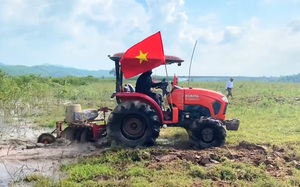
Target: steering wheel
[[163, 86]]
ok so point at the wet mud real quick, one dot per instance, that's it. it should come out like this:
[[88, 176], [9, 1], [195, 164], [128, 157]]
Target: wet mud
[[20, 155]]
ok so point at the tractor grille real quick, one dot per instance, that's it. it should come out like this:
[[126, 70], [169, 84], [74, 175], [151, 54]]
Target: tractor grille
[[216, 107]]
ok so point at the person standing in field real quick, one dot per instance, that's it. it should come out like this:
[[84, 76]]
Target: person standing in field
[[229, 87]]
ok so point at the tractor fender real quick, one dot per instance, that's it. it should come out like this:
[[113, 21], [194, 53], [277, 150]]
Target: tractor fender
[[122, 97]]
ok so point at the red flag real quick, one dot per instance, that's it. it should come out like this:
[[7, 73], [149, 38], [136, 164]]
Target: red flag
[[143, 56], [175, 80]]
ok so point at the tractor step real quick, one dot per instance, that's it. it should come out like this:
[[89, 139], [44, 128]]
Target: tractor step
[[232, 124]]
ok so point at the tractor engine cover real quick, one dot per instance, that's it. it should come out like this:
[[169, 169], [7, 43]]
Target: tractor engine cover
[[199, 102]]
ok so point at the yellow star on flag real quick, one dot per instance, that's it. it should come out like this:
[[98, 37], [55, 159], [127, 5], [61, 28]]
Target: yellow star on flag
[[142, 57]]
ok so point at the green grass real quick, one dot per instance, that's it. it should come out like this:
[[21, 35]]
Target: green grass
[[269, 114], [39, 180], [140, 169]]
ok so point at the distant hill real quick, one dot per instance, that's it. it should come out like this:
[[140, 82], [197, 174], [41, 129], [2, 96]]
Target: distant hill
[[61, 71], [289, 78], [226, 78], [52, 71]]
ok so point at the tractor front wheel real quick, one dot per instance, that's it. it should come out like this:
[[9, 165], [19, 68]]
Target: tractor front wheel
[[206, 134], [132, 124]]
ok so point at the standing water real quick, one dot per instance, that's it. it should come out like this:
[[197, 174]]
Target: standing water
[[17, 161]]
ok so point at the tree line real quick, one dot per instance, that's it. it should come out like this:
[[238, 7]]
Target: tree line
[[18, 93]]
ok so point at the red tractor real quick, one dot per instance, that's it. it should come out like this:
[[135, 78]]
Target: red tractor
[[137, 119]]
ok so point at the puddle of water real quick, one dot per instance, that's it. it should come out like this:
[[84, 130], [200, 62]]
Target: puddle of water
[[21, 162], [15, 160], [20, 129], [15, 170]]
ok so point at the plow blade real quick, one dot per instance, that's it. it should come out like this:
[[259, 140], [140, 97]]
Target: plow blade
[[69, 133], [83, 134], [87, 135], [79, 134], [232, 124]]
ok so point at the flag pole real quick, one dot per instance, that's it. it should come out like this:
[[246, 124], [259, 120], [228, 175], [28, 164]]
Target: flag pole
[[191, 63]]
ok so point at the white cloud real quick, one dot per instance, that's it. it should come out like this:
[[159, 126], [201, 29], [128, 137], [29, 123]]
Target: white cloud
[[257, 52], [82, 33], [294, 26]]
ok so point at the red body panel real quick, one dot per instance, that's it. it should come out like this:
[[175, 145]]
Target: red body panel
[[180, 98], [98, 130], [175, 118], [196, 96], [141, 97]]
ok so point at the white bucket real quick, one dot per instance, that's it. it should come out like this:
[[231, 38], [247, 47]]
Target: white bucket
[[70, 112]]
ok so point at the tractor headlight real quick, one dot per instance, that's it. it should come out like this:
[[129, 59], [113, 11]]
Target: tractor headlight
[[225, 99]]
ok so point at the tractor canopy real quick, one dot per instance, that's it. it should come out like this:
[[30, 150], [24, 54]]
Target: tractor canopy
[[119, 74], [169, 59]]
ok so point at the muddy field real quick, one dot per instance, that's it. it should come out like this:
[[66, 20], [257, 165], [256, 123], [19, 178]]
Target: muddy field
[[19, 158]]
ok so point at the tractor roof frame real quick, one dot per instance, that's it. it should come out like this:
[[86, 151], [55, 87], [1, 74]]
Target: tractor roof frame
[[119, 75]]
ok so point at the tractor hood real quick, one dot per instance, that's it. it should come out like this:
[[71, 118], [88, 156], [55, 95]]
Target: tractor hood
[[182, 97], [197, 93]]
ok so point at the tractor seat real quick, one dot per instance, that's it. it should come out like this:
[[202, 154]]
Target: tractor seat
[[128, 88]]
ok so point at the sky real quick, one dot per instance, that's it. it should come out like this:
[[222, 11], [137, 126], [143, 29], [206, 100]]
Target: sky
[[234, 37]]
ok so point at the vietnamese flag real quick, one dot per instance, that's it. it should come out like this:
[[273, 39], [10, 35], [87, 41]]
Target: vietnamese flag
[[143, 56], [175, 80]]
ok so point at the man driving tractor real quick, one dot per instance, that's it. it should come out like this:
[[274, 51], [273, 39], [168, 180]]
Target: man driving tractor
[[144, 84]]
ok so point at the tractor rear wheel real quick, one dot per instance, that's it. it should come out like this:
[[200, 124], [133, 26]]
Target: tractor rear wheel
[[207, 133], [132, 124]]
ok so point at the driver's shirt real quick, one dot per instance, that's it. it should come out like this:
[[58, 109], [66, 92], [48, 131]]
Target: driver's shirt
[[144, 83]]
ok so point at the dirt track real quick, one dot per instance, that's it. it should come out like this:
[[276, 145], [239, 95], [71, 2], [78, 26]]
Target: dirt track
[[278, 163]]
